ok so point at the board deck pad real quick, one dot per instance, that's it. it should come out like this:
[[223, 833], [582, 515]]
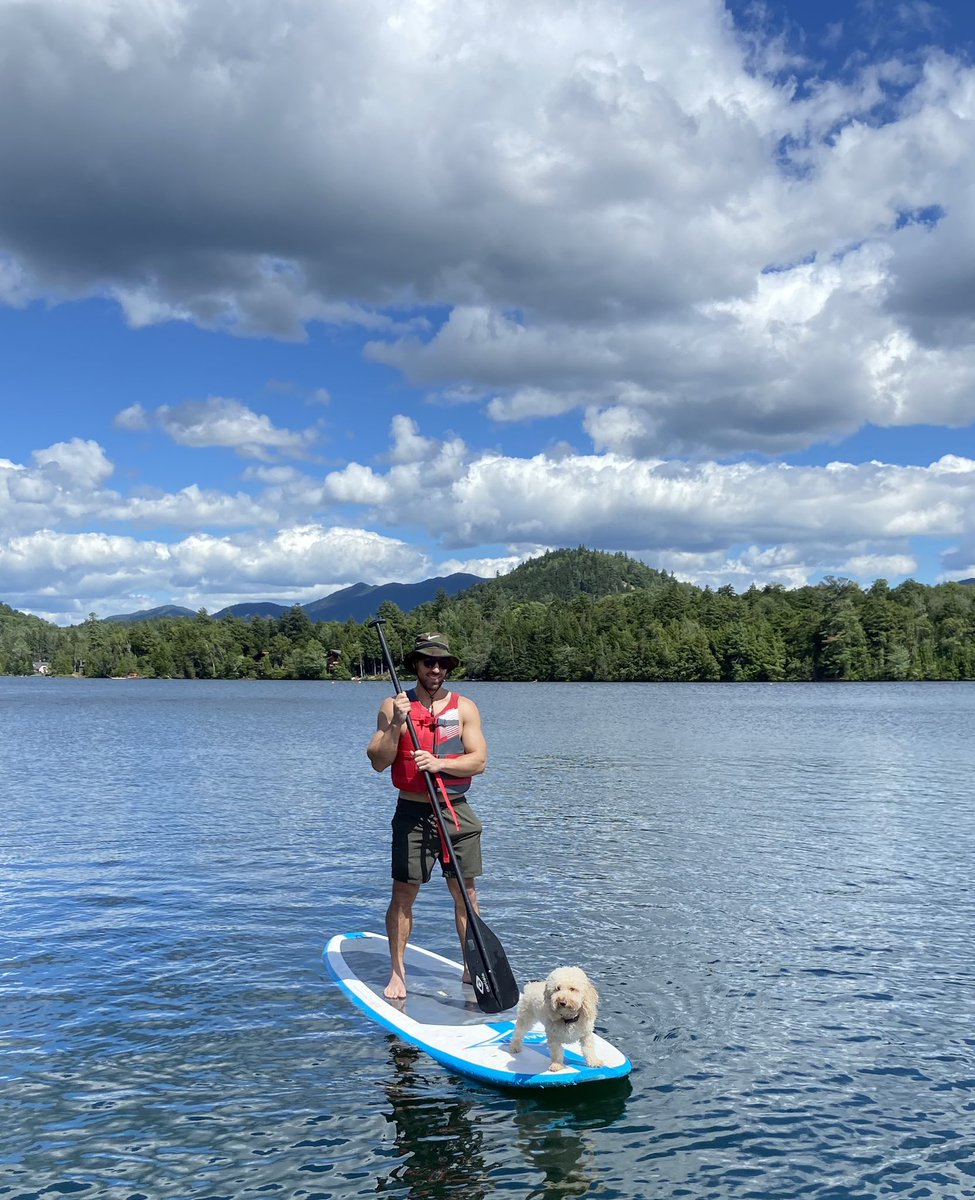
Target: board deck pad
[[440, 1016]]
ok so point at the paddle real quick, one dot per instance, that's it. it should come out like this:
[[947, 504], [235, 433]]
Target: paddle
[[494, 984]]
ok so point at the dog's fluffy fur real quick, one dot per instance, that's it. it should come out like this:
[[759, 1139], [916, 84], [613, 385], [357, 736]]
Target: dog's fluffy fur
[[566, 1004]]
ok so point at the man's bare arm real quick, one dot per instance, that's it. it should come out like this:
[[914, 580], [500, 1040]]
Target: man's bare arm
[[389, 727]]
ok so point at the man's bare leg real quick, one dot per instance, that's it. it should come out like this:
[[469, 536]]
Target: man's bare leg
[[460, 913], [399, 926]]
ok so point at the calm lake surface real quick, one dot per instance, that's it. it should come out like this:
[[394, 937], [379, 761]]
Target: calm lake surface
[[771, 885]]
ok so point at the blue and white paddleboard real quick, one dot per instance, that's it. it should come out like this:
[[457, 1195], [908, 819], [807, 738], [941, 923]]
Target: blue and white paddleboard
[[441, 1017]]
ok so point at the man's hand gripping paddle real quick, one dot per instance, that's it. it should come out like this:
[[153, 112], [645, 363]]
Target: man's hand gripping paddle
[[494, 984]]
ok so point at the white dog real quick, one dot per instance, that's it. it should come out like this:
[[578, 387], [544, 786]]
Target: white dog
[[566, 1004]]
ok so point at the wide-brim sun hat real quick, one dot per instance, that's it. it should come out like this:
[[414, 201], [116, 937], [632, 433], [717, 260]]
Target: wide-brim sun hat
[[431, 645]]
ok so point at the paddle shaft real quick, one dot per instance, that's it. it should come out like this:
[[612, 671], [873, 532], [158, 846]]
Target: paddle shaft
[[473, 920]]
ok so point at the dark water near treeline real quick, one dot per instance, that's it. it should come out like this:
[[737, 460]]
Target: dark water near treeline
[[771, 885]]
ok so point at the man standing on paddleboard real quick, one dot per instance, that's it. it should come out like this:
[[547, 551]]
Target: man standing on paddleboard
[[453, 749]]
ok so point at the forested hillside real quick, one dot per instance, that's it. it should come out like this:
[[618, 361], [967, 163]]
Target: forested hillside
[[569, 615], [565, 574]]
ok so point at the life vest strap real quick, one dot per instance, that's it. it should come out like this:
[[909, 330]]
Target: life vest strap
[[444, 843]]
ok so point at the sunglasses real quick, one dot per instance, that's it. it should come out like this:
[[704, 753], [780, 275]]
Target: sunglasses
[[432, 663]]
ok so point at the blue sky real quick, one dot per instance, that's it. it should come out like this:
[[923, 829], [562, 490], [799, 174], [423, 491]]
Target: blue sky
[[376, 292]]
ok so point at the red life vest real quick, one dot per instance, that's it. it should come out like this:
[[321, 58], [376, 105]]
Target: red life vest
[[440, 735]]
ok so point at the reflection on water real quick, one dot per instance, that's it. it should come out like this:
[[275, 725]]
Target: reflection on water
[[771, 887], [436, 1134], [445, 1145], [552, 1132]]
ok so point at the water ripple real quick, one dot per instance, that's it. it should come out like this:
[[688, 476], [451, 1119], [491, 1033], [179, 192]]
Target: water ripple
[[771, 887]]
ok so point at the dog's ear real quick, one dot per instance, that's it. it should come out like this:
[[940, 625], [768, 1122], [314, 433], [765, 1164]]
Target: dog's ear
[[590, 1001]]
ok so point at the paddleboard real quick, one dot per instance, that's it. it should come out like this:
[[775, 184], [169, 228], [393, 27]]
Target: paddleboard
[[441, 1017]]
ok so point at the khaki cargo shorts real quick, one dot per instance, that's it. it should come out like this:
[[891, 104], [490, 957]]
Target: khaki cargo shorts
[[416, 842]]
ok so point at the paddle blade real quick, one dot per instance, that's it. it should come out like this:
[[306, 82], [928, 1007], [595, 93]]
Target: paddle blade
[[494, 984]]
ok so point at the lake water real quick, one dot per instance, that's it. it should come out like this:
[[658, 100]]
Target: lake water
[[770, 884]]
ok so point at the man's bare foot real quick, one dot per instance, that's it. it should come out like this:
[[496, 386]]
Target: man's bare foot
[[466, 977], [396, 988]]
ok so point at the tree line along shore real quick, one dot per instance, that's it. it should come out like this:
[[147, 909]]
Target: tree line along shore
[[570, 615]]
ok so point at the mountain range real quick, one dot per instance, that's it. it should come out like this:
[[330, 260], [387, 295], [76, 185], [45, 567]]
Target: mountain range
[[358, 602]]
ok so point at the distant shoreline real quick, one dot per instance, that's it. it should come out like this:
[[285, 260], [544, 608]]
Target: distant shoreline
[[718, 683]]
